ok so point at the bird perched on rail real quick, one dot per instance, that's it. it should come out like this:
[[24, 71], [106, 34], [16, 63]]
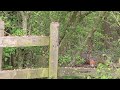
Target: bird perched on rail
[[89, 59], [92, 62]]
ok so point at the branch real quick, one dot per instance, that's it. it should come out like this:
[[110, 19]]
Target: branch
[[78, 18], [118, 23]]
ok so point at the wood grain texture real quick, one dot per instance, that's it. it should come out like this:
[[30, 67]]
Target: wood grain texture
[[24, 41], [24, 73], [1, 34], [53, 57]]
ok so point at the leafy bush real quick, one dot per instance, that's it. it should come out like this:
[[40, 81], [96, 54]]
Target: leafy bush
[[63, 60]]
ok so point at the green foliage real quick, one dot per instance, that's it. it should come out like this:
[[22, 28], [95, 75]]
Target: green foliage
[[73, 37], [18, 32], [64, 59], [103, 72], [79, 60], [8, 67], [8, 51]]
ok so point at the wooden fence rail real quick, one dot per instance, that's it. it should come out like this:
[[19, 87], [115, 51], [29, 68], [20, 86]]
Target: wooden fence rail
[[43, 73], [24, 41]]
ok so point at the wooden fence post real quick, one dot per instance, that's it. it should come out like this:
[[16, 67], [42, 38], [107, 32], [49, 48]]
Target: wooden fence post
[[1, 34], [53, 57]]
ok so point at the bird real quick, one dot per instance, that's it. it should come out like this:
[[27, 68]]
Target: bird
[[92, 62]]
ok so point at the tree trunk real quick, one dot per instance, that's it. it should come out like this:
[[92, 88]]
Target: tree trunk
[[106, 32], [24, 21]]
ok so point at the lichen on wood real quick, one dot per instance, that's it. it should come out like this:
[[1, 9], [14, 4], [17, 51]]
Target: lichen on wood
[[1, 34], [53, 57], [24, 73], [24, 41]]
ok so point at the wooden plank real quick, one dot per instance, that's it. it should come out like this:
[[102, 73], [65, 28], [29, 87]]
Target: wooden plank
[[53, 57], [1, 34], [24, 41], [83, 72], [70, 71], [24, 73], [43, 73]]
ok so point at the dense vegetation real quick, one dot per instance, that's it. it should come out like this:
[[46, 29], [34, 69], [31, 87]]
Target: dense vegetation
[[96, 33]]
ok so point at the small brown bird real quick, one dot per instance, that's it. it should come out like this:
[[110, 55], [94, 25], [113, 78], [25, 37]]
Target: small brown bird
[[92, 62]]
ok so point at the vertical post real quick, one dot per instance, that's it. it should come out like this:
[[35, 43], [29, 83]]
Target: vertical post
[[1, 34], [53, 57]]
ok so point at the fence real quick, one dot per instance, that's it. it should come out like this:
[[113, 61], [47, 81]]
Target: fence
[[23, 41], [53, 71]]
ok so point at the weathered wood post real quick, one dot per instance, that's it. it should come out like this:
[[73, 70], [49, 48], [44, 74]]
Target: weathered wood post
[[53, 57], [1, 34]]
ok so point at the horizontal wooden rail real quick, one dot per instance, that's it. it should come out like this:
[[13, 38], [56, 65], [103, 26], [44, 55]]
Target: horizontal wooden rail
[[24, 73], [83, 72], [23, 41], [79, 71], [43, 73]]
